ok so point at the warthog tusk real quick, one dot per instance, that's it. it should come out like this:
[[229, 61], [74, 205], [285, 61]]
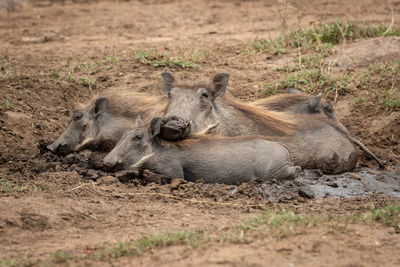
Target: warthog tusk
[[141, 161], [209, 129], [84, 143], [366, 150]]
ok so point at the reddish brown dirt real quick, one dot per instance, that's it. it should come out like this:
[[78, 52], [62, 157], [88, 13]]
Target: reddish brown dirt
[[64, 210], [320, 247]]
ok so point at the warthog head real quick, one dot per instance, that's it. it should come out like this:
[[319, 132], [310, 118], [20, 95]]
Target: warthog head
[[194, 103], [81, 129], [135, 145], [311, 105]]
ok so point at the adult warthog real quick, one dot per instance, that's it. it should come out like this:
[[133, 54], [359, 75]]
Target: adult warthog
[[100, 124], [213, 159], [314, 141], [296, 102]]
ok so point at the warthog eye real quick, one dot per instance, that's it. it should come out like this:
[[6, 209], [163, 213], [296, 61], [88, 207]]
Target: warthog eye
[[137, 136], [204, 95], [329, 108], [78, 115]]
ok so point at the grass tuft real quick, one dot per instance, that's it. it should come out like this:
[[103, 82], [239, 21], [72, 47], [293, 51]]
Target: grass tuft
[[9, 263], [20, 262], [311, 81], [278, 223], [61, 257], [270, 89], [5, 69], [7, 105], [7, 187], [391, 99], [383, 81], [89, 83], [324, 36], [145, 243], [360, 100], [54, 74], [388, 215]]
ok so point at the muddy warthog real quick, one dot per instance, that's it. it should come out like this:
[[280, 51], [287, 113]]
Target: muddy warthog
[[299, 103], [214, 159], [314, 141], [101, 124]]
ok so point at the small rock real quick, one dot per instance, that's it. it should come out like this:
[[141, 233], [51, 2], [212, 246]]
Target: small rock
[[306, 192], [85, 155], [42, 126], [58, 168], [92, 174], [117, 195], [126, 175], [91, 247], [354, 176], [176, 184], [97, 201], [33, 40], [332, 184], [47, 37]]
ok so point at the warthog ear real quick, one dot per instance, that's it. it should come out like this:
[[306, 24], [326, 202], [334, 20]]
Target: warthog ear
[[139, 121], [315, 103], [168, 81], [219, 82], [155, 126], [100, 105]]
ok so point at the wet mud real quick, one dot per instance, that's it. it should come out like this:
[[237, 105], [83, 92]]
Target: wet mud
[[314, 184]]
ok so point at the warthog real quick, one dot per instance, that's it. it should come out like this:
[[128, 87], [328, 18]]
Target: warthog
[[294, 101], [213, 159], [314, 141], [101, 124], [297, 102]]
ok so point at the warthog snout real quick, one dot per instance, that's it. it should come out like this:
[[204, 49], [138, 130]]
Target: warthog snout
[[112, 163], [60, 149], [175, 128], [52, 147]]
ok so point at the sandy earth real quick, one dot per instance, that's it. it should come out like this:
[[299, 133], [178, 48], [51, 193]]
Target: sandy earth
[[67, 205]]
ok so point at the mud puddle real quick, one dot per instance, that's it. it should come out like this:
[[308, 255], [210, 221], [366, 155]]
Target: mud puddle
[[363, 183], [314, 184]]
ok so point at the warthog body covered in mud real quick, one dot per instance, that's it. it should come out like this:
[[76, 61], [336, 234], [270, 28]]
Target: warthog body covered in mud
[[228, 160], [297, 102], [101, 124], [314, 141]]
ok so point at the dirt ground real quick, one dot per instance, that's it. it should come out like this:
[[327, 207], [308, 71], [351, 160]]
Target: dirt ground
[[54, 56]]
